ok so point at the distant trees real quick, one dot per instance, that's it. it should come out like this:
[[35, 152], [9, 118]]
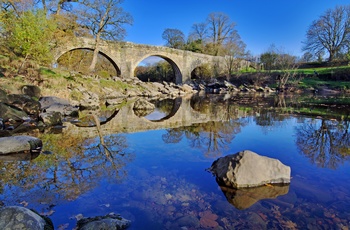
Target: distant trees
[[216, 36], [174, 38], [285, 63], [330, 33]]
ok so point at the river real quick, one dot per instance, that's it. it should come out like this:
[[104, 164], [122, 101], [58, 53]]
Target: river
[[152, 168]]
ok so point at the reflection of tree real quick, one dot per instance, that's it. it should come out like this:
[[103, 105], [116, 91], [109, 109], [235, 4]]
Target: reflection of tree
[[75, 166], [326, 143], [212, 137]]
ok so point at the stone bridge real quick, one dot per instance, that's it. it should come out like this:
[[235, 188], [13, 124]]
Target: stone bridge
[[126, 56]]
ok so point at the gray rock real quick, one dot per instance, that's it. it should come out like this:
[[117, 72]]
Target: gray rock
[[24, 102], [48, 101], [16, 144], [248, 169], [51, 118], [14, 217], [10, 112], [110, 222], [65, 110]]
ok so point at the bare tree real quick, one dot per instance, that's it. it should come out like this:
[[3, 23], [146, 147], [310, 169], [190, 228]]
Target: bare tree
[[331, 32], [198, 32], [105, 20], [234, 51], [220, 30], [174, 38]]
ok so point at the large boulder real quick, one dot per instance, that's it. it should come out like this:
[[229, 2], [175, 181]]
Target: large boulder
[[15, 217], [16, 144], [55, 104], [8, 112], [248, 169], [24, 102]]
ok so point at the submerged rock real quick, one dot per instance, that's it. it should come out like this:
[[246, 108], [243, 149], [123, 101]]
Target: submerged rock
[[248, 169], [110, 221], [15, 217], [245, 197]]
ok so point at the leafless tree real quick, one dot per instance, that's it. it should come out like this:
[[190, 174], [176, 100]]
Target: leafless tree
[[331, 32], [220, 30], [174, 38], [105, 20]]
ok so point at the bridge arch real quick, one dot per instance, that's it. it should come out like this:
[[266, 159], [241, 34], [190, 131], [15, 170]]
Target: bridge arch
[[173, 64], [104, 54]]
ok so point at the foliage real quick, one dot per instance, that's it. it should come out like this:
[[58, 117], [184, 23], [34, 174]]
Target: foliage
[[156, 72], [30, 35]]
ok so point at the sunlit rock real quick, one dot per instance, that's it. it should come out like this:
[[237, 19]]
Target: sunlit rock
[[243, 198], [110, 221], [15, 217], [15, 144], [248, 169]]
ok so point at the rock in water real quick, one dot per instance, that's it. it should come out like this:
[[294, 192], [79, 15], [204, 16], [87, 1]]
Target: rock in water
[[110, 221], [14, 217], [248, 169]]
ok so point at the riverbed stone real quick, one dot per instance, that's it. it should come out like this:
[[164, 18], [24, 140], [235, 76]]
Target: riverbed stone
[[249, 169], [110, 221], [15, 217], [25, 102], [51, 118], [8, 112], [15, 144]]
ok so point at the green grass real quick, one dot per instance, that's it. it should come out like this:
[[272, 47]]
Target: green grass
[[324, 70], [314, 82]]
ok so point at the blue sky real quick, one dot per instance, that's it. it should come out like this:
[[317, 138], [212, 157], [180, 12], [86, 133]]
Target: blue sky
[[260, 23]]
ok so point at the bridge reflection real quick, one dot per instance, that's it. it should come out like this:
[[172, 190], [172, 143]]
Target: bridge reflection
[[182, 112]]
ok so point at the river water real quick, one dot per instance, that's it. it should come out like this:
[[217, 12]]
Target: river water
[[152, 168]]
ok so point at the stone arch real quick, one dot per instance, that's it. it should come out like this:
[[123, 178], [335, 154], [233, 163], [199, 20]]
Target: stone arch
[[176, 69], [197, 65], [108, 57]]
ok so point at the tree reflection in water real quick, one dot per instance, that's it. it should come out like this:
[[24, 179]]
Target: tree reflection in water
[[75, 166], [211, 137], [325, 142]]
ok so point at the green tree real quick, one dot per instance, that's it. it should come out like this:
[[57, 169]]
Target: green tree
[[30, 35], [331, 32]]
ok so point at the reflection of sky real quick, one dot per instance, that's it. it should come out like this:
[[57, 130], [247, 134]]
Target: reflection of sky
[[155, 115]]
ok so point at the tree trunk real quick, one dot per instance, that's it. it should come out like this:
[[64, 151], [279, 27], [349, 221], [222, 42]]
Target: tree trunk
[[96, 51]]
